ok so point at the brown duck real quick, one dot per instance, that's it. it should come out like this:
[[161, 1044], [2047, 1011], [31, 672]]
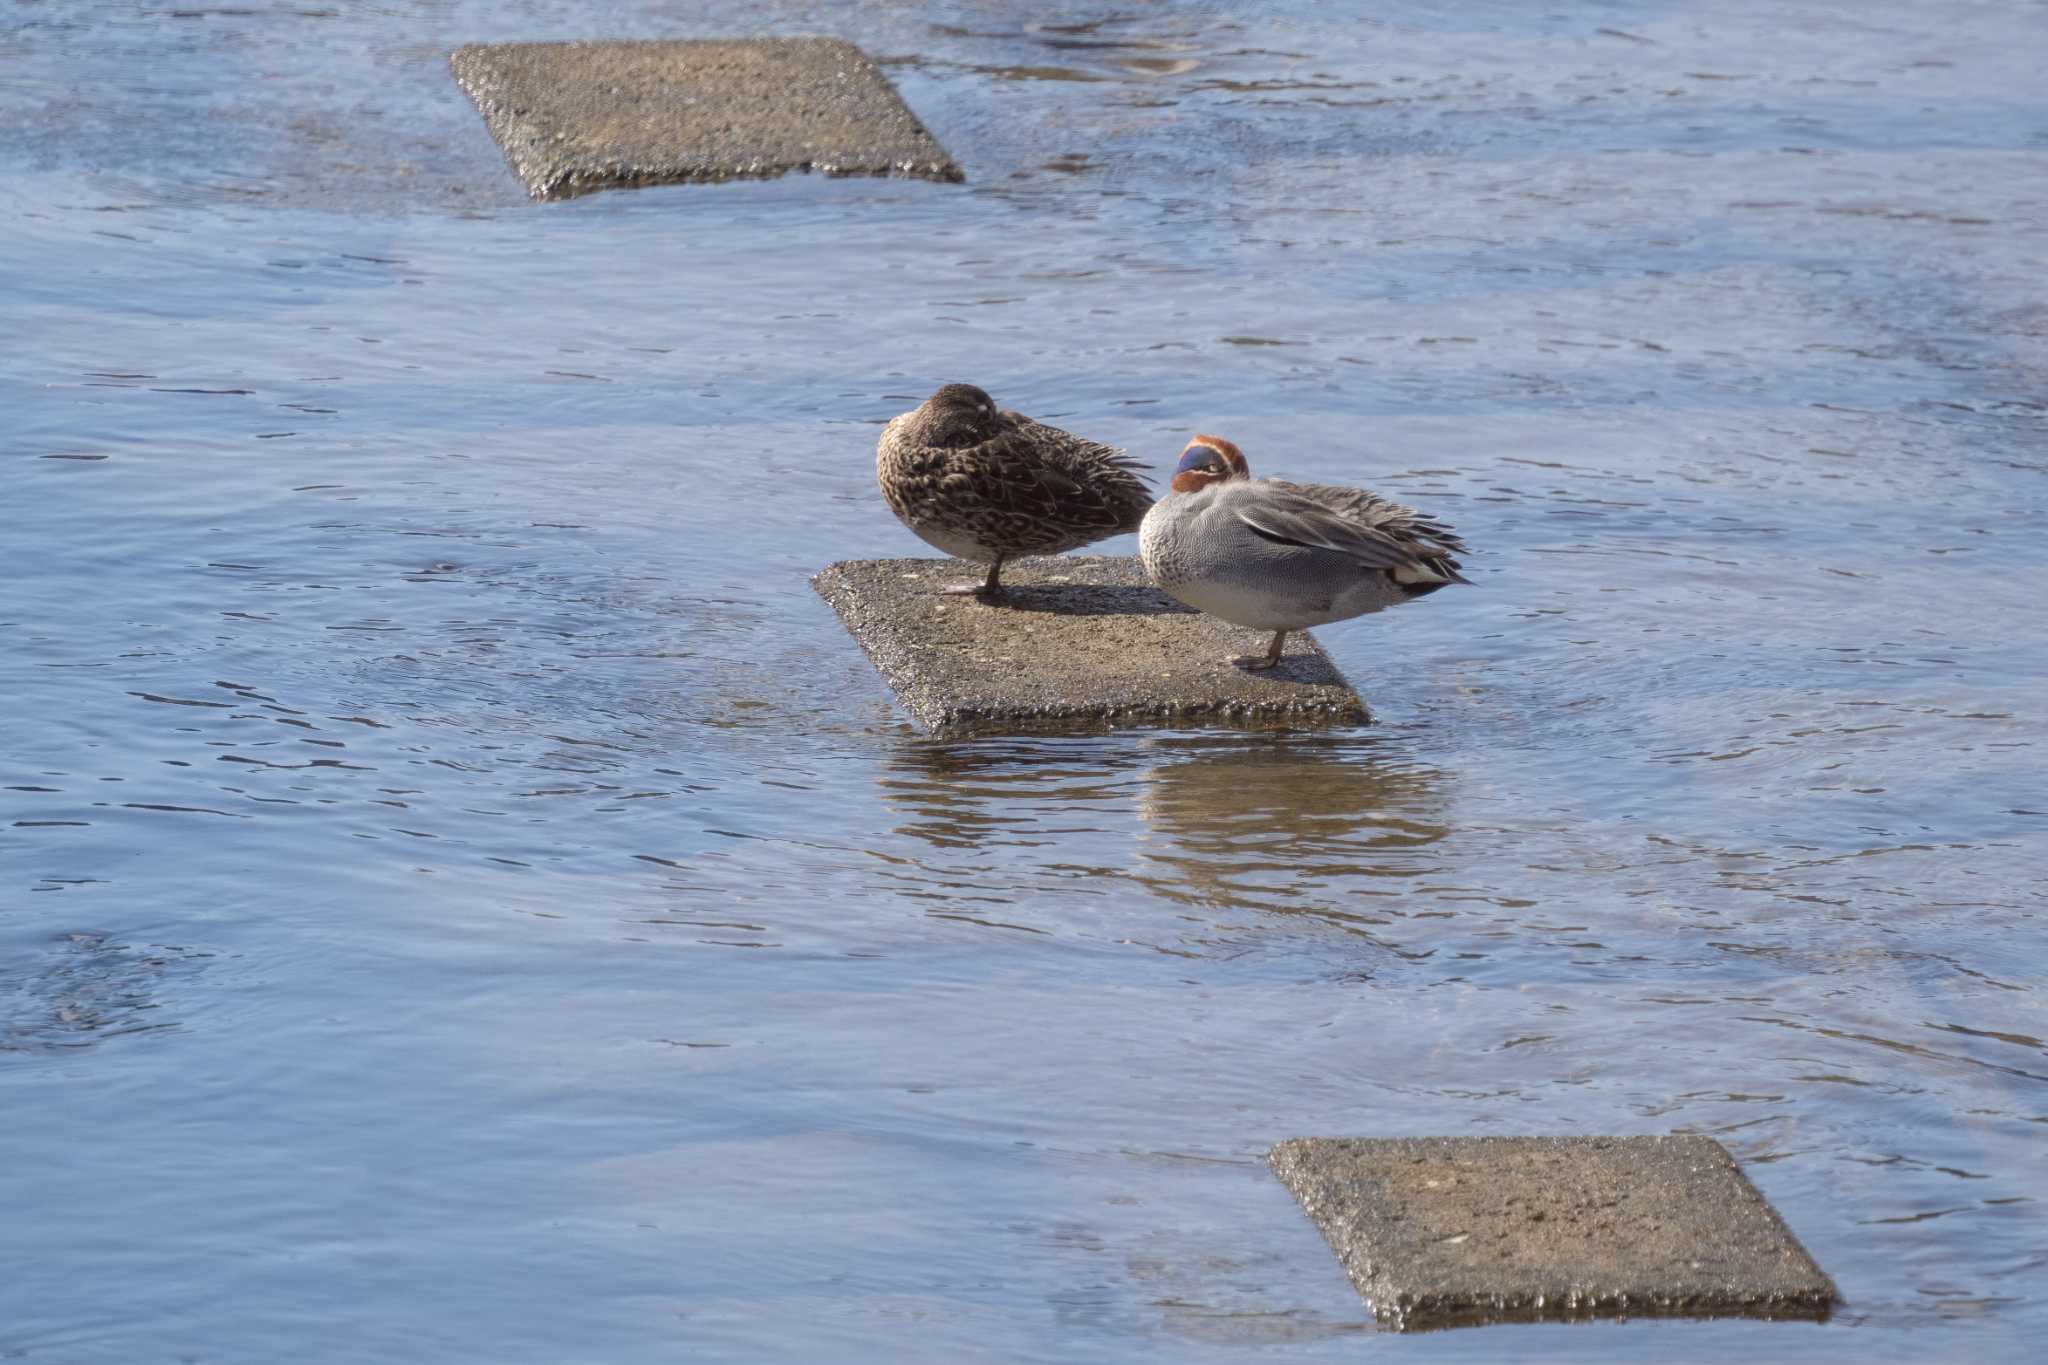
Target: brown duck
[[986, 484]]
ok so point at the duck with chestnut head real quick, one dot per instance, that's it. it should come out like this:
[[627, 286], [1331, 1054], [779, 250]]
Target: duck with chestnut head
[[986, 484], [1271, 555]]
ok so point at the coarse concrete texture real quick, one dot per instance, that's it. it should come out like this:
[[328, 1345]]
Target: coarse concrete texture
[[1446, 1232], [577, 117], [1080, 642]]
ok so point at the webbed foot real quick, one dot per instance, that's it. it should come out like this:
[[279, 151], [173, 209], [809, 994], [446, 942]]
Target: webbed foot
[[990, 589], [1258, 663]]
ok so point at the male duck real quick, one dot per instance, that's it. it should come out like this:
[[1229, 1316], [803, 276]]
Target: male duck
[[986, 484], [1278, 556]]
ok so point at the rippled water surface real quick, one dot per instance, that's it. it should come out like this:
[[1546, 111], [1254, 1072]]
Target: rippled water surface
[[462, 897]]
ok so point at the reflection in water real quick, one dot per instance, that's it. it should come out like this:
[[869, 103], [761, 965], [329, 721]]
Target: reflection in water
[[1010, 827], [979, 794], [84, 988], [1334, 826], [1299, 823]]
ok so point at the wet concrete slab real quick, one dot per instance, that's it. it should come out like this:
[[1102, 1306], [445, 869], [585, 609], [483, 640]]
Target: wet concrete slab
[[582, 116], [1082, 642], [1447, 1232]]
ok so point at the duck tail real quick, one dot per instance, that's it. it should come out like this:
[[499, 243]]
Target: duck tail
[[1427, 575]]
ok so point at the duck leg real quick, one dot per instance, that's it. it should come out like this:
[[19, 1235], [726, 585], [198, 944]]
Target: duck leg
[[988, 590], [1257, 662]]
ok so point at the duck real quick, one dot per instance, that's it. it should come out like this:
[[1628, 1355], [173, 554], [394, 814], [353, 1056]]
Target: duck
[[1267, 554], [986, 484]]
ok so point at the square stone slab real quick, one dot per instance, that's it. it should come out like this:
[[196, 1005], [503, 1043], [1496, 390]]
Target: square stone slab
[[576, 117], [1082, 642], [1446, 1232]]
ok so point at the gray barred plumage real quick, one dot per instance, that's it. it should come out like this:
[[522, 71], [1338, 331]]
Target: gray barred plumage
[[1279, 556]]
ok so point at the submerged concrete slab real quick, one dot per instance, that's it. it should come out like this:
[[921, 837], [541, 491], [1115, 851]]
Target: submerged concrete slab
[[1444, 1232], [576, 117], [1083, 642]]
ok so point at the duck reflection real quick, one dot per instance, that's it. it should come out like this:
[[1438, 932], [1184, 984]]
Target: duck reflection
[[1289, 822], [1017, 833], [972, 794], [1271, 821]]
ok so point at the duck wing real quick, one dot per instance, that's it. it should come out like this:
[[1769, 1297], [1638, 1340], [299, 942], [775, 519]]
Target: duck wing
[[1053, 475], [1392, 537], [1370, 509]]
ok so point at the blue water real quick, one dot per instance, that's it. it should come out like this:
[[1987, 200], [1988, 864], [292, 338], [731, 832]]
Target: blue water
[[463, 897]]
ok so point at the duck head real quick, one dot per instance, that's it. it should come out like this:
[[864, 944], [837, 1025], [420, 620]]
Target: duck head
[[1207, 460], [960, 415]]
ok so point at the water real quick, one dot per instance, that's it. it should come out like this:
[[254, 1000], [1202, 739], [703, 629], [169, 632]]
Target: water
[[465, 898]]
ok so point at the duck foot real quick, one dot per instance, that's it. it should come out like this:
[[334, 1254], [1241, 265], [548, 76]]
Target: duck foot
[[1258, 663], [990, 589]]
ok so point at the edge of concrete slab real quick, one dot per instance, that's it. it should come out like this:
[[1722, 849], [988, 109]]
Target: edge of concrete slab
[[1083, 643], [577, 117], [1550, 1229]]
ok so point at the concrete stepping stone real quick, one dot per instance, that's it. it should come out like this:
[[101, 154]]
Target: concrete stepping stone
[[577, 117], [1082, 642], [1447, 1232]]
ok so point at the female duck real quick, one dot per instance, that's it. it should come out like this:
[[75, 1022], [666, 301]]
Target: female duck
[[987, 485], [1278, 556]]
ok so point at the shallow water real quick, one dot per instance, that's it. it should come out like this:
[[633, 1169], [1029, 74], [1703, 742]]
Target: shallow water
[[465, 898]]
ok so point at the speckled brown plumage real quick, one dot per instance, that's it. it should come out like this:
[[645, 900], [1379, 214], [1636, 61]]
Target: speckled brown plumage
[[987, 484]]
